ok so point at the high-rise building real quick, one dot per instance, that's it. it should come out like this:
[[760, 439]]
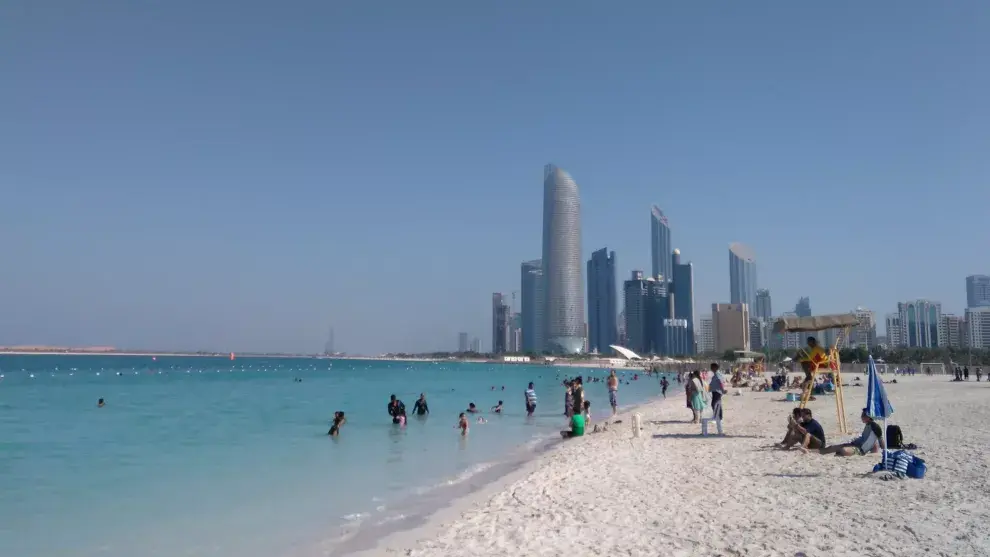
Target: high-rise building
[[762, 309], [789, 340], [759, 334], [476, 345], [515, 333], [955, 330], [621, 326], [682, 296], [803, 307], [501, 324], [706, 335], [895, 333], [660, 243], [978, 327], [831, 337], [731, 325], [635, 296], [651, 327], [462, 342], [563, 305], [602, 294], [865, 333], [921, 324], [532, 306], [978, 291], [742, 274]]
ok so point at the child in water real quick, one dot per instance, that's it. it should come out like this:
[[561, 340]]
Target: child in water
[[463, 423], [497, 409], [338, 420]]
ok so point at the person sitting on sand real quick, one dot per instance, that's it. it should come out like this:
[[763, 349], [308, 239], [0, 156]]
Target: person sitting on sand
[[497, 409], [793, 436], [338, 420], [812, 435], [867, 442], [577, 427]]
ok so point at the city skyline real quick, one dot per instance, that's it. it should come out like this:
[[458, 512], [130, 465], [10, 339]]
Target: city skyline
[[345, 160]]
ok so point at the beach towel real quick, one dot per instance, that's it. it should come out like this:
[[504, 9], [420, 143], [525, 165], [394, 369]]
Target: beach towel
[[901, 464]]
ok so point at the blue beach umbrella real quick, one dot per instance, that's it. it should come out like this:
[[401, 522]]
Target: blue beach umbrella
[[877, 403]]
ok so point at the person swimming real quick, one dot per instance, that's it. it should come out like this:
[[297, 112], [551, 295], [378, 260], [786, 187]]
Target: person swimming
[[338, 420], [472, 409], [497, 408], [100, 403]]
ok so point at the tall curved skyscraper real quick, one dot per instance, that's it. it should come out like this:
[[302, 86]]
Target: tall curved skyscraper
[[563, 310], [742, 274], [660, 244]]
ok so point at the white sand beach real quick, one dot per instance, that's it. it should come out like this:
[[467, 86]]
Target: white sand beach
[[672, 492]]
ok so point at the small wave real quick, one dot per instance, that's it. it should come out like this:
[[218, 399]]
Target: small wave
[[355, 517], [460, 478], [386, 520]]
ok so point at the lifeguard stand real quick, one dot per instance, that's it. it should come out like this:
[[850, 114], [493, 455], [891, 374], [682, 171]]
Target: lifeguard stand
[[843, 322]]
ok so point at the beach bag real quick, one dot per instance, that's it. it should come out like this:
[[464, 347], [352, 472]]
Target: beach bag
[[895, 438], [916, 469]]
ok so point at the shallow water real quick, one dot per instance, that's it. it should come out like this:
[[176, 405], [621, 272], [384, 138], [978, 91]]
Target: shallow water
[[211, 457]]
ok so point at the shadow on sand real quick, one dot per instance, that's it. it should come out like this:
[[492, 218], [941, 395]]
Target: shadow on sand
[[700, 436], [793, 475]]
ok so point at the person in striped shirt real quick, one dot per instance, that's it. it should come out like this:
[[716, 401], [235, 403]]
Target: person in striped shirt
[[530, 400]]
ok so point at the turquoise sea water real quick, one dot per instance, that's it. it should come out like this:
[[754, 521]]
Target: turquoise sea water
[[211, 457]]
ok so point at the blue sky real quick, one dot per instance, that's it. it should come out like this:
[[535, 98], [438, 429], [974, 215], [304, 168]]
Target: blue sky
[[240, 175]]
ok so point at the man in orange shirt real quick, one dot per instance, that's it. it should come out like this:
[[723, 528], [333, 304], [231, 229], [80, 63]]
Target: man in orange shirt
[[812, 358]]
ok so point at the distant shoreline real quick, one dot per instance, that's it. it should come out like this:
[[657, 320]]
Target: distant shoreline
[[155, 354], [596, 364]]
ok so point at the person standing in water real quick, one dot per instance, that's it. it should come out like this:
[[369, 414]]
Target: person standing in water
[[338, 420], [420, 408], [577, 395], [663, 386], [530, 396], [397, 410], [613, 391], [462, 422]]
